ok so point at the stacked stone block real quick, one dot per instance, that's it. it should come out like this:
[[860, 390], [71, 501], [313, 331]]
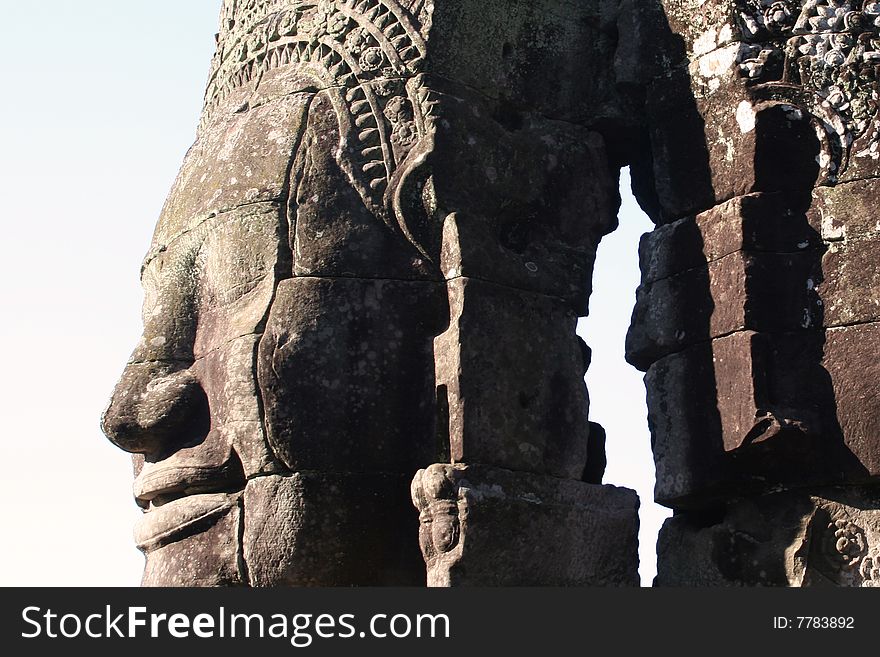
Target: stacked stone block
[[756, 317]]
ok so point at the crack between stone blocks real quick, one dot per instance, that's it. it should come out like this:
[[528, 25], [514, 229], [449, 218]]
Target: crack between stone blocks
[[758, 332], [286, 473], [366, 279], [817, 248], [727, 334], [723, 200], [552, 297], [162, 361], [852, 324], [546, 475], [438, 282], [849, 181], [243, 570], [226, 343], [253, 282]]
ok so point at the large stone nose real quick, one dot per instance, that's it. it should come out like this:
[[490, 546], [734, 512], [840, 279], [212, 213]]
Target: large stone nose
[[156, 409]]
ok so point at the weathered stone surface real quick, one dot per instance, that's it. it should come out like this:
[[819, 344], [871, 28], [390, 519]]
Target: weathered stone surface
[[533, 419], [346, 374], [852, 363], [850, 290], [759, 97], [769, 97], [209, 284], [793, 538], [209, 466], [768, 292], [156, 405], [300, 273], [476, 249], [203, 291], [208, 553], [516, 209], [483, 526], [756, 222], [728, 144], [679, 181], [235, 161], [200, 417], [746, 412], [704, 25], [846, 211], [331, 529], [685, 425], [713, 139], [537, 54], [240, 256], [227, 377], [341, 226]]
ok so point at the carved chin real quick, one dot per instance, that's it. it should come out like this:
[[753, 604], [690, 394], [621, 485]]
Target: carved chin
[[205, 553], [330, 529]]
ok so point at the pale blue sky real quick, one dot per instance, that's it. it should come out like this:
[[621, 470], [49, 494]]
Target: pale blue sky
[[100, 102]]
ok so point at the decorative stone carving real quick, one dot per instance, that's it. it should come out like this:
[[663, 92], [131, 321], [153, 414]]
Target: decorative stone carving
[[830, 50], [483, 526], [783, 539]]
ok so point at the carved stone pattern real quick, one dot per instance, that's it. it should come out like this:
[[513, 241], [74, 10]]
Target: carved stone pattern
[[830, 52], [370, 50], [870, 569], [845, 544], [849, 552]]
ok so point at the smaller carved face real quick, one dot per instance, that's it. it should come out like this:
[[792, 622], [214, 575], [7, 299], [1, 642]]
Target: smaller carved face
[[435, 494], [439, 530]]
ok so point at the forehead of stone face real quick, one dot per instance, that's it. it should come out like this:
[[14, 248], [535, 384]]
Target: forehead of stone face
[[239, 158]]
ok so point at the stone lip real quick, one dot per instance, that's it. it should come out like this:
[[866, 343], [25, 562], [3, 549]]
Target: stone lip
[[170, 522], [158, 479]]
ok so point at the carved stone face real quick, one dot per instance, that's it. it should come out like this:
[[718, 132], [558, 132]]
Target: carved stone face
[[284, 392], [188, 399], [284, 164]]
